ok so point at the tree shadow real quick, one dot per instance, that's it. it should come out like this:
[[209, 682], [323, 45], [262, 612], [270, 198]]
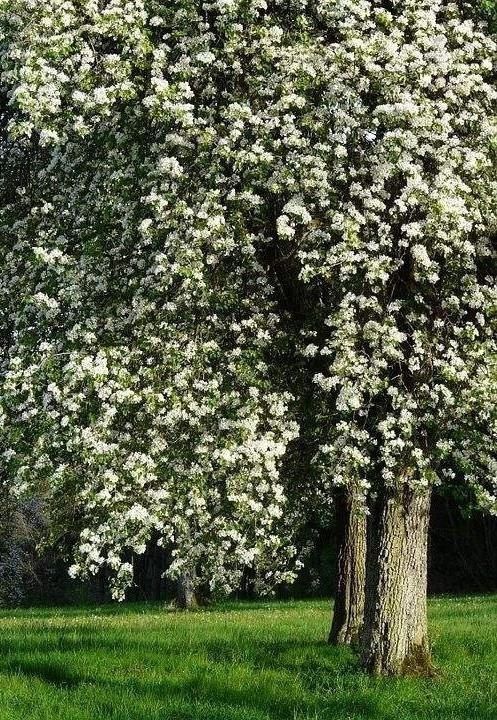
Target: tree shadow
[[48, 672]]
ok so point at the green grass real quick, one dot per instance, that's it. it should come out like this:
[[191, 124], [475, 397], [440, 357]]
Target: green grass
[[258, 661]]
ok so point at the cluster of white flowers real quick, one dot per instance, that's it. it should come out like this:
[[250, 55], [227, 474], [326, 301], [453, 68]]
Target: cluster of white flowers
[[194, 153], [136, 381], [402, 251]]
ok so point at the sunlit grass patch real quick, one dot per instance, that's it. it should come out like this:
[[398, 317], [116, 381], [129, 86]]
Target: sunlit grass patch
[[257, 661]]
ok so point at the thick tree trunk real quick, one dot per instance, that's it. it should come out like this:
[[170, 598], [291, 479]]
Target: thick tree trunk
[[185, 597], [394, 640], [348, 612]]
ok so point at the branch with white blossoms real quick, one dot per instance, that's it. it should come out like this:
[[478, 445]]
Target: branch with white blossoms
[[202, 159]]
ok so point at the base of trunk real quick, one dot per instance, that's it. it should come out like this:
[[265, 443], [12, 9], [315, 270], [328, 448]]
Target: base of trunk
[[418, 663], [346, 634], [395, 636], [186, 598]]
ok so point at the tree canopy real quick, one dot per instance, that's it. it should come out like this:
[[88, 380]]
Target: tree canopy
[[218, 187]]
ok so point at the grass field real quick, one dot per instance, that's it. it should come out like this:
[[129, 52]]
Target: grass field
[[256, 661]]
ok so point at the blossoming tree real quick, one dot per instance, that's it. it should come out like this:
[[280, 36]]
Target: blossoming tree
[[402, 252], [211, 166], [135, 377]]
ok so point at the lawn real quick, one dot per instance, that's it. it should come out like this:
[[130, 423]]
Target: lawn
[[259, 661]]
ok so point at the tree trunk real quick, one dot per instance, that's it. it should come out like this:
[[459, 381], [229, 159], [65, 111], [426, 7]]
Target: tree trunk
[[348, 612], [394, 640], [185, 597]]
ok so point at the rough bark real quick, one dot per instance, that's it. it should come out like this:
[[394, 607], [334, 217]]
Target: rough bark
[[185, 594], [394, 640], [348, 612]]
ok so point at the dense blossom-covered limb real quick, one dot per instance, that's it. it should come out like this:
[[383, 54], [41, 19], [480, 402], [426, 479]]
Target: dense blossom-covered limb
[[137, 363], [142, 386]]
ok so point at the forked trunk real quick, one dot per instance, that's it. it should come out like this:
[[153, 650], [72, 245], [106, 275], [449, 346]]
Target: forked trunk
[[394, 640], [185, 597], [348, 613]]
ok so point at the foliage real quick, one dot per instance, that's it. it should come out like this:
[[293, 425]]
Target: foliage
[[489, 8]]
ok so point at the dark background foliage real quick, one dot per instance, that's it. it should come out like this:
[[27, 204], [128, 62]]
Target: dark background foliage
[[462, 559]]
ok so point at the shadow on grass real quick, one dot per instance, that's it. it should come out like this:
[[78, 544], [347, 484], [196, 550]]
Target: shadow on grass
[[249, 675], [207, 693], [204, 687], [245, 649], [48, 672]]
